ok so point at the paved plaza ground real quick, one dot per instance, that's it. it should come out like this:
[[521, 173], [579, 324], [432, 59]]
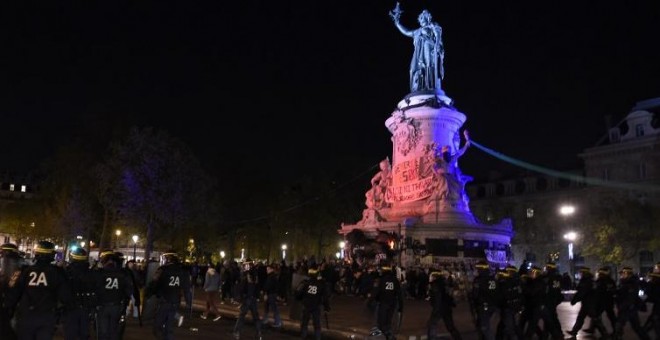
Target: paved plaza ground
[[349, 319]]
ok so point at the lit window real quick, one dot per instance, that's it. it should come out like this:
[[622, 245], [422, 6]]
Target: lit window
[[639, 130], [530, 212], [11, 187], [23, 188]]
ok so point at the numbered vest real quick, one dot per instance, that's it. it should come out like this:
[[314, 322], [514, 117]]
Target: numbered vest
[[112, 286], [40, 285]]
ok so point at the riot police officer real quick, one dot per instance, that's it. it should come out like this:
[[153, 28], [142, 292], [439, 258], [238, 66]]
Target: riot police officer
[[389, 296], [484, 298], [511, 302], [442, 303], [35, 293], [605, 289], [135, 294], [653, 293], [169, 282], [81, 280], [553, 297], [313, 293], [9, 266], [587, 296], [628, 303], [113, 290]]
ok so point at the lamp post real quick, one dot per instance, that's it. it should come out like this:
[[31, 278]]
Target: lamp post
[[566, 211], [284, 252], [135, 239], [117, 233]]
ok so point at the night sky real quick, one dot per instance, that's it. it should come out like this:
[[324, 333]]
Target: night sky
[[306, 86]]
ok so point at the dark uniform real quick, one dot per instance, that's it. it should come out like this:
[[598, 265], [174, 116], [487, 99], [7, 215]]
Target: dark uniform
[[553, 297], [169, 281], [389, 296], [35, 294], [442, 303], [605, 290], [313, 293], [271, 290], [119, 261], [586, 294], [9, 266], [653, 293], [511, 302], [484, 299], [81, 280], [113, 290], [248, 292], [535, 296], [628, 303]]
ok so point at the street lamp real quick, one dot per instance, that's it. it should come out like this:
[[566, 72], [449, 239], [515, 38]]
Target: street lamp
[[566, 211], [342, 244], [284, 252], [135, 239], [117, 233], [222, 254]]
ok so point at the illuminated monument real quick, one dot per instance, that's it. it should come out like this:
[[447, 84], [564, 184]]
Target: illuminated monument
[[417, 208]]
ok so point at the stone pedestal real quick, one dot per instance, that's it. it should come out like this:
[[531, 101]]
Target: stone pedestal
[[425, 197]]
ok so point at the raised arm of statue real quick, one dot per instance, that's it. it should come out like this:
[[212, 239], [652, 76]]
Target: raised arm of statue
[[462, 150], [395, 14]]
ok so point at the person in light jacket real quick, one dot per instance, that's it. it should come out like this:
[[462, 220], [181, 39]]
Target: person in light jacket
[[211, 287]]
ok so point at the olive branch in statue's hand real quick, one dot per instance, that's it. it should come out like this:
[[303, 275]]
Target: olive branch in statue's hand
[[395, 14]]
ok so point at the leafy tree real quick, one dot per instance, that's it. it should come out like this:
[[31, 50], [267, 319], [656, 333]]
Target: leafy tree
[[619, 228], [153, 180]]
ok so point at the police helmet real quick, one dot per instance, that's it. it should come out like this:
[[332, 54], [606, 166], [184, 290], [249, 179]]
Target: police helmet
[[534, 271], [626, 271], [169, 256], [107, 256], [550, 267], [482, 266], [45, 251], [119, 258], [604, 271], [9, 250], [78, 254], [435, 274], [313, 270], [511, 269]]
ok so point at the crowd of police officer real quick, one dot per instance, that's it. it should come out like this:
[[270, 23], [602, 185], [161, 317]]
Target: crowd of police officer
[[36, 296], [527, 299]]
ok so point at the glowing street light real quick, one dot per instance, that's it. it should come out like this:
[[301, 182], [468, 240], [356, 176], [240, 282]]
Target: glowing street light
[[117, 233], [566, 211], [222, 254], [284, 252], [342, 245], [135, 239]]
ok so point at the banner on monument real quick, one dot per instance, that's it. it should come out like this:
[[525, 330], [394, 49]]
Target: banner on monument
[[412, 181], [495, 256]]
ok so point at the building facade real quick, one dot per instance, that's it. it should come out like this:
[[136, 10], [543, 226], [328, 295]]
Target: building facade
[[547, 211]]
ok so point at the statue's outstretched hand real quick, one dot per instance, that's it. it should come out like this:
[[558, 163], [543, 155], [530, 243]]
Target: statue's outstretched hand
[[466, 135], [395, 14]]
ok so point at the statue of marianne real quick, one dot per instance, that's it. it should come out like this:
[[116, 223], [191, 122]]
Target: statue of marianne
[[426, 66]]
